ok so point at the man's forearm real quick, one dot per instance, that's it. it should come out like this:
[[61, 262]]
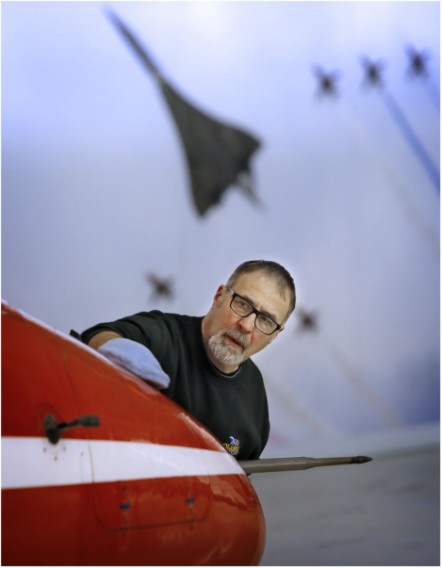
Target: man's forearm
[[102, 337], [131, 355]]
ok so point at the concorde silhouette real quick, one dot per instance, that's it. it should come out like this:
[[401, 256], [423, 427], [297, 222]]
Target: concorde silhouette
[[218, 154]]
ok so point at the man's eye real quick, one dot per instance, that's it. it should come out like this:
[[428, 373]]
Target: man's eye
[[265, 321], [243, 306]]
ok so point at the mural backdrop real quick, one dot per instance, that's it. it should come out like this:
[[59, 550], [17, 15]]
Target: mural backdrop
[[150, 147]]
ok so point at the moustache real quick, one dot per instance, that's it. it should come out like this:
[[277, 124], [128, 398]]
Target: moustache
[[238, 337]]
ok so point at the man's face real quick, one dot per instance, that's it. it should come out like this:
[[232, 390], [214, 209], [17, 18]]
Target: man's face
[[231, 339]]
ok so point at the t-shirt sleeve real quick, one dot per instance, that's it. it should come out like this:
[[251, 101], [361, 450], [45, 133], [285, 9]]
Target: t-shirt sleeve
[[146, 328], [125, 327], [153, 329]]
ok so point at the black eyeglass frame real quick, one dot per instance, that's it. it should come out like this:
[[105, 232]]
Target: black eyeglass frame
[[253, 310]]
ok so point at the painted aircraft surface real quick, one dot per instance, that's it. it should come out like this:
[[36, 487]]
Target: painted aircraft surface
[[100, 468]]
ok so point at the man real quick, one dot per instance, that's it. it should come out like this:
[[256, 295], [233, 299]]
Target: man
[[203, 363]]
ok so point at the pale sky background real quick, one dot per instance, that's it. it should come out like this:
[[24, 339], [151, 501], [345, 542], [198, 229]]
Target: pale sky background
[[95, 190]]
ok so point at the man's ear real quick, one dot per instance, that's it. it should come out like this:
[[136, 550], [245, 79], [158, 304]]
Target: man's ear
[[219, 293]]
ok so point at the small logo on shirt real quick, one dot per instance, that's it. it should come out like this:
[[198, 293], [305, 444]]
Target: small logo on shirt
[[232, 446]]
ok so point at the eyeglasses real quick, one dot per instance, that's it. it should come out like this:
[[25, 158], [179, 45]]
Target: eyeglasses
[[244, 308]]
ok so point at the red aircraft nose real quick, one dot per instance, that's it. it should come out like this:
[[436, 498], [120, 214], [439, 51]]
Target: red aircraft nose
[[99, 468]]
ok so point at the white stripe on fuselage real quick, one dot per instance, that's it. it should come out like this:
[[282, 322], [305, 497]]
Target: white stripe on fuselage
[[35, 462]]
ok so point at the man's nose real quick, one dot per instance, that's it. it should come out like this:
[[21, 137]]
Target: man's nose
[[247, 323]]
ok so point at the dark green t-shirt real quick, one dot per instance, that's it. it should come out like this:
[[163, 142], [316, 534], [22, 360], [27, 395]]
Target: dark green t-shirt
[[234, 408]]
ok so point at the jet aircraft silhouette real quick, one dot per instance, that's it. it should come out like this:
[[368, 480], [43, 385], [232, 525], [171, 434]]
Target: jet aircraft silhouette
[[418, 62], [218, 155], [327, 82], [373, 72], [308, 321], [162, 287]]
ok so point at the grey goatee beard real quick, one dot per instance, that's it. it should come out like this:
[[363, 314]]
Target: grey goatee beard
[[226, 353]]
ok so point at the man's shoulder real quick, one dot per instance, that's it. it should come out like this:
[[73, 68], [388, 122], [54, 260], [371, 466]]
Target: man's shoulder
[[251, 368], [170, 320], [169, 316]]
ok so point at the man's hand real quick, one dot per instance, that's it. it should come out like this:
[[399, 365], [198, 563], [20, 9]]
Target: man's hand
[[136, 358]]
